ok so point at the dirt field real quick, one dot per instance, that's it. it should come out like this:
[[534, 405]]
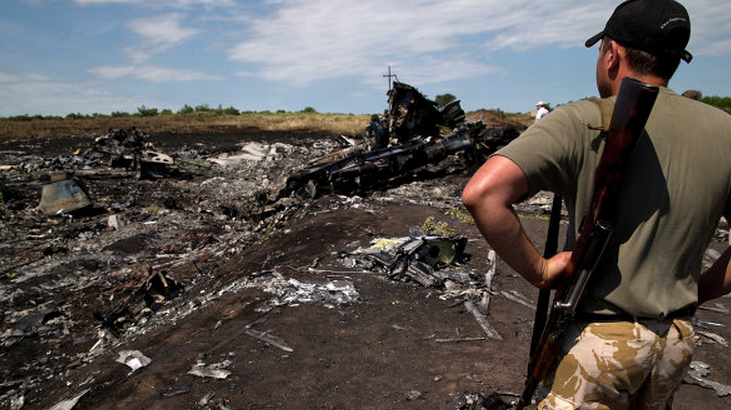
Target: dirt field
[[264, 310]]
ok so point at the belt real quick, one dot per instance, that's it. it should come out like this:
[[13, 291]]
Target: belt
[[687, 311]]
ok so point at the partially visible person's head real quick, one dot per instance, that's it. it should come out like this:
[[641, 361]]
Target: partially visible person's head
[[693, 95], [374, 117], [654, 34], [540, 104]]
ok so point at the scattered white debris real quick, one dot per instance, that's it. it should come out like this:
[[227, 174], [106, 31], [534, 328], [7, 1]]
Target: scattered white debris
[[698, 372], [69, 403], [134, 359], [201, 370]]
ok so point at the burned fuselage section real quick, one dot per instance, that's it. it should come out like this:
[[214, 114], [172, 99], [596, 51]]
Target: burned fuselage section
[[425, 141], [411, 115]]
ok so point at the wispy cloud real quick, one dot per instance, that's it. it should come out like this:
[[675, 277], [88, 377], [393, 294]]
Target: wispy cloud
[[166, 3], [715, 48], [87, 2], [710, 27], [7, 78], [164, 30], [309, 40], [294, 43], [150, 73], [23, 78], [159, 33], [35, 93]]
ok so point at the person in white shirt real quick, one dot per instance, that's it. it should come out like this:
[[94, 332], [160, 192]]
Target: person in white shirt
[[542, 110]]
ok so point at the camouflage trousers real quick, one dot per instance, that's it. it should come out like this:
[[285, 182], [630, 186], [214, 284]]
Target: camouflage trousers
[[620, 365]]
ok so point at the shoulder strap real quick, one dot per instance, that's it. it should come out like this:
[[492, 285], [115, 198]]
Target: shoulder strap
[[606, 108]]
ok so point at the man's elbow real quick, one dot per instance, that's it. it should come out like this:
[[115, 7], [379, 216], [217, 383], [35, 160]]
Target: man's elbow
[[472, 196], [499, 182]]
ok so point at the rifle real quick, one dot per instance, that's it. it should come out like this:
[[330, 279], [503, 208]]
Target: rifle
[[544, 296], [631, 109]]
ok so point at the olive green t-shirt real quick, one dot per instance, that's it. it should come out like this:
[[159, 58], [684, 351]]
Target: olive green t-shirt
[[675, 190]]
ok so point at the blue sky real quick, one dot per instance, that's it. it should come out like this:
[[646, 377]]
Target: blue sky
[[100, 56]]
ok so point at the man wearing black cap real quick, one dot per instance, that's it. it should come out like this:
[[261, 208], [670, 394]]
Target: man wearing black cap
[[633, 337]]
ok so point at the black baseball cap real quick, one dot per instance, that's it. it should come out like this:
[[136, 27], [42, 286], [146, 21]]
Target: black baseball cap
[[659, 27]]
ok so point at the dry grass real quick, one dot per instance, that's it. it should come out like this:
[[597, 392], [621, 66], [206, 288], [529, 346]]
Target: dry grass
[[335, 124], [497, 117], [331, 124]]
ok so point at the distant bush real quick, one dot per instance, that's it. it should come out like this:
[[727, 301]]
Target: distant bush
[[143, 111], [24, 117], [309, 110], [187, 109], [443, 99], [230, 111], [723, 103]]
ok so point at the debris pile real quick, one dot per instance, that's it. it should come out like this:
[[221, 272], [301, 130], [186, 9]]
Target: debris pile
[[418, 147], [127, 149], [416, 257]]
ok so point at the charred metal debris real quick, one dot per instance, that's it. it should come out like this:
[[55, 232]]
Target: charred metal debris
[[417, 257], [423, 140], [124, 149]]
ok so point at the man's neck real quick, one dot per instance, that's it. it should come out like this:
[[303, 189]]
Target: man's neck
[[647, 79]]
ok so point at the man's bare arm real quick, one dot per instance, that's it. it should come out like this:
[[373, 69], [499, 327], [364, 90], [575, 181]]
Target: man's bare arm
[[489, 197]]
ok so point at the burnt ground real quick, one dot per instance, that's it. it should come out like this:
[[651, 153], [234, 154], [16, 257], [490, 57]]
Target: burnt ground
[[248, 296]]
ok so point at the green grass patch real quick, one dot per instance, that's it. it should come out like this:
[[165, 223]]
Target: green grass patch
[[432, 226], [459, 214]]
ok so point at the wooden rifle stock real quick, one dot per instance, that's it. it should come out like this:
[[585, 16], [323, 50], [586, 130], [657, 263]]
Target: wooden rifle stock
[[631, 110]]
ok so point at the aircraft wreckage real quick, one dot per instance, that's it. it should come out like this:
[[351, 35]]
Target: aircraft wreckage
[[413, 140], [421, 139]]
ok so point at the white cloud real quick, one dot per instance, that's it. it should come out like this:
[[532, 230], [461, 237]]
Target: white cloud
[[113, 72], [713, 48], [38, 94], [164, 74], [296, 42], [33, 95], [24, 77], [564, 23], [159, 33], [150, 73], [710, 27], [7, 78], [167, 3], [307, 40], [87, 2]]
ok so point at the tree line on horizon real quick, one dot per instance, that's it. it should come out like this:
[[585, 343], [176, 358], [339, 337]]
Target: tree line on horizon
[[723, 103], [143, 111]]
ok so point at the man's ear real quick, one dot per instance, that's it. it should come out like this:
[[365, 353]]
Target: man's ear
[[613, 56]]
